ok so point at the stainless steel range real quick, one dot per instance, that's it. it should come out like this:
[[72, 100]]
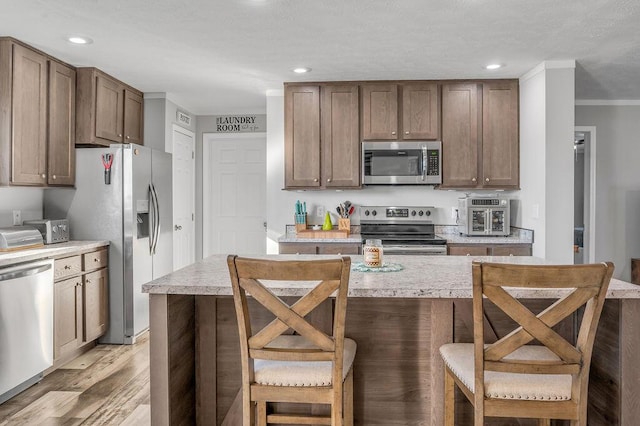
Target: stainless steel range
[[403, 230]]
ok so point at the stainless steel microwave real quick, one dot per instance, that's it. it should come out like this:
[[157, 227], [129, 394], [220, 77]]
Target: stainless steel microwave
[[402, 163]]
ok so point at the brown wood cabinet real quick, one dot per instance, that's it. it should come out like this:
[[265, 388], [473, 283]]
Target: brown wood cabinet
[[37, 95], [80, 302], [419, 111], [108, 110], [480, 141], [319, 248], [489, 249], [322, 141]]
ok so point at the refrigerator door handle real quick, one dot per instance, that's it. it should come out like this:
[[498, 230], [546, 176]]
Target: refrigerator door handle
[[152, 219], [157, 221]]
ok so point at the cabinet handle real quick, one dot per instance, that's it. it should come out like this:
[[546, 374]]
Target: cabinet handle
[[393, 133], [43, 176], [486, 180], [54, 176], [473, 179], [315, 180], [406, 133], [329, 180]]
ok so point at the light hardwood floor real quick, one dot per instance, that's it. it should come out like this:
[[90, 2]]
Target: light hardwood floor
[[109, 385]]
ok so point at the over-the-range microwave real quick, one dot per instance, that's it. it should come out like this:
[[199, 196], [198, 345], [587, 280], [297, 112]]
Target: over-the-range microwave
[[402, 163]]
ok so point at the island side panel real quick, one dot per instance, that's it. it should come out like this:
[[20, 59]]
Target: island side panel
[[630, 372], [441, 333], [205, 353], [172, 357]]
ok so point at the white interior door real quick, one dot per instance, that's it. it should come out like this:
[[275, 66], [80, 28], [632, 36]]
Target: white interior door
[[184, 248], [234, 194]]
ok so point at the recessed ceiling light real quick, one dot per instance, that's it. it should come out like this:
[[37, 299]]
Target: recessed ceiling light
[[493, 66], [79, 40], [301, 70]]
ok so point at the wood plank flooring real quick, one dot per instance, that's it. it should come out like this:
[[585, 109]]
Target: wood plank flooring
[[109, 385]]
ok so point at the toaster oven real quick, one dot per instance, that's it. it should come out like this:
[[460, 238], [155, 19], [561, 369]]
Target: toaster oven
[[484, 216], [52, 230]]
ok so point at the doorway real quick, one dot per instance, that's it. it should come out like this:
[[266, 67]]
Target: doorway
[[234, 177], [184, 248], [584, 151]]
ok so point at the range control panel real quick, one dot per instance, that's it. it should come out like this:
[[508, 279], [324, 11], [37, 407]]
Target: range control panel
[[395, 214]]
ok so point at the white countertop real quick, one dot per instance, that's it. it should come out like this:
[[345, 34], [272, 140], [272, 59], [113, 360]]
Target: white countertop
[[48, 251], [422, 277]]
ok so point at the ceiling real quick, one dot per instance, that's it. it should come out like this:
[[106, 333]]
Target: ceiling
[[221, 56]]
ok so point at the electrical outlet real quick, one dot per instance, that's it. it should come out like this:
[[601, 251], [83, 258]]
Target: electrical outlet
[[17, 217], [320, 211]]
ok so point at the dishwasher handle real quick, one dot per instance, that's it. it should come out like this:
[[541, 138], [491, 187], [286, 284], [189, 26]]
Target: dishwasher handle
[[24, 272]]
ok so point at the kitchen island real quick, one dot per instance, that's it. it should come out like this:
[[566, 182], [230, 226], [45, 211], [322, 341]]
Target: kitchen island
[[398, 319]]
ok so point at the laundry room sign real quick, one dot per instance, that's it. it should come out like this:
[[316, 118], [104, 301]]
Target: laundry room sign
[[245, 123]]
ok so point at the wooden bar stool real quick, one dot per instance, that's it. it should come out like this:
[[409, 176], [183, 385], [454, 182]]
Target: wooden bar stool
[[511, 378], [308, 367]]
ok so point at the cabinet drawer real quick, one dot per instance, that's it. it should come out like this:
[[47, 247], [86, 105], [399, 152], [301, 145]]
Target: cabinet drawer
[[514, 250], [67, 267], [95, 260], [479, 250]]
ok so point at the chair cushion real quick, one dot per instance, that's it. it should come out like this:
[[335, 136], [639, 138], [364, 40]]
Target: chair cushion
[[300, 373], [540, 387]]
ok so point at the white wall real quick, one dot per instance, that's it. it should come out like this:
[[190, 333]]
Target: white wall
[[546, 158], [27, 200], [617, 181]]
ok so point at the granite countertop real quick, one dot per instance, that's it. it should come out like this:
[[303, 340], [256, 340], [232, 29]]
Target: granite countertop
[[48, 251], [293, 238], [422, 277]]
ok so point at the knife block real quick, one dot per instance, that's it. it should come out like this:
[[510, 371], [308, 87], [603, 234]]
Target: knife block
[[300, 221], [344, 225]]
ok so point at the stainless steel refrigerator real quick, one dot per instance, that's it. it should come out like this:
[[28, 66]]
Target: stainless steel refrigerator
[[130, 206]]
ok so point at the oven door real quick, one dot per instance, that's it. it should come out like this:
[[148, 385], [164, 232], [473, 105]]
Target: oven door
[[426, 250]]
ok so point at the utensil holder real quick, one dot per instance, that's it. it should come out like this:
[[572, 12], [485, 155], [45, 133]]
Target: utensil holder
[[300, 220], [344, 225]]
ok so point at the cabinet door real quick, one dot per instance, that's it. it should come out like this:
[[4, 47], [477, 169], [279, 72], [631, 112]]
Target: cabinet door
[[109, 109], [380, 112], [302, 136], [500, 139], [62, 126], [95, 304], [67, 316], [460, 133], [467, 250], [420, 111], [29, 106], [133, 117], [340, 136]]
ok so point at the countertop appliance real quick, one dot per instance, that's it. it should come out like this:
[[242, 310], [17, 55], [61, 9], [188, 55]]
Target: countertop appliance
[[52, 230], [403, 230], [26, 325], [19, 238], [402, 163], [131, 207], [485, 216]]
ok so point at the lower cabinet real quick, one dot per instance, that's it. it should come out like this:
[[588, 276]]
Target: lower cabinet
[[320, 248], [489, 249], [81, 293]]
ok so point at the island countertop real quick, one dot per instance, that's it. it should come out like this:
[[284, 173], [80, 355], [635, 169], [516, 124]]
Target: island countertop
[[421, 277]]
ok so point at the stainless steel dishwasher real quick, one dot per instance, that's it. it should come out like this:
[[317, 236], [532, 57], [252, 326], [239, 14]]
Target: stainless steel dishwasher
[[26, 325]]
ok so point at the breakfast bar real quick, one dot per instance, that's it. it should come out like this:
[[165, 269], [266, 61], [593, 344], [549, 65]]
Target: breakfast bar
[[398, 319]]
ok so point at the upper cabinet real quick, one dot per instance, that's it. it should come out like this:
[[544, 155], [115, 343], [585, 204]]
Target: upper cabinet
[[415, 106], [322, 142], [480, 141], [37, 96], [108, 111]]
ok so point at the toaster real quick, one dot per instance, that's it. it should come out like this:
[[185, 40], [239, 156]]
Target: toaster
[[52, 230]]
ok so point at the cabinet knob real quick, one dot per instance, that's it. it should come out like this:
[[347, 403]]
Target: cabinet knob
[[119, 135], [96, 259], [468, 254], [128, 137], [315, 180], [406, 133], [177, 227], [486, 180], [67, 267], [54, 176], [473, 179], [393, 133], [329, 180], [88, 281], [43, 176]]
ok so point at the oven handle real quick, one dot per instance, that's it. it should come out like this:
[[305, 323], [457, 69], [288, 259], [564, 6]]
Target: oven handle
[[442, 249]]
